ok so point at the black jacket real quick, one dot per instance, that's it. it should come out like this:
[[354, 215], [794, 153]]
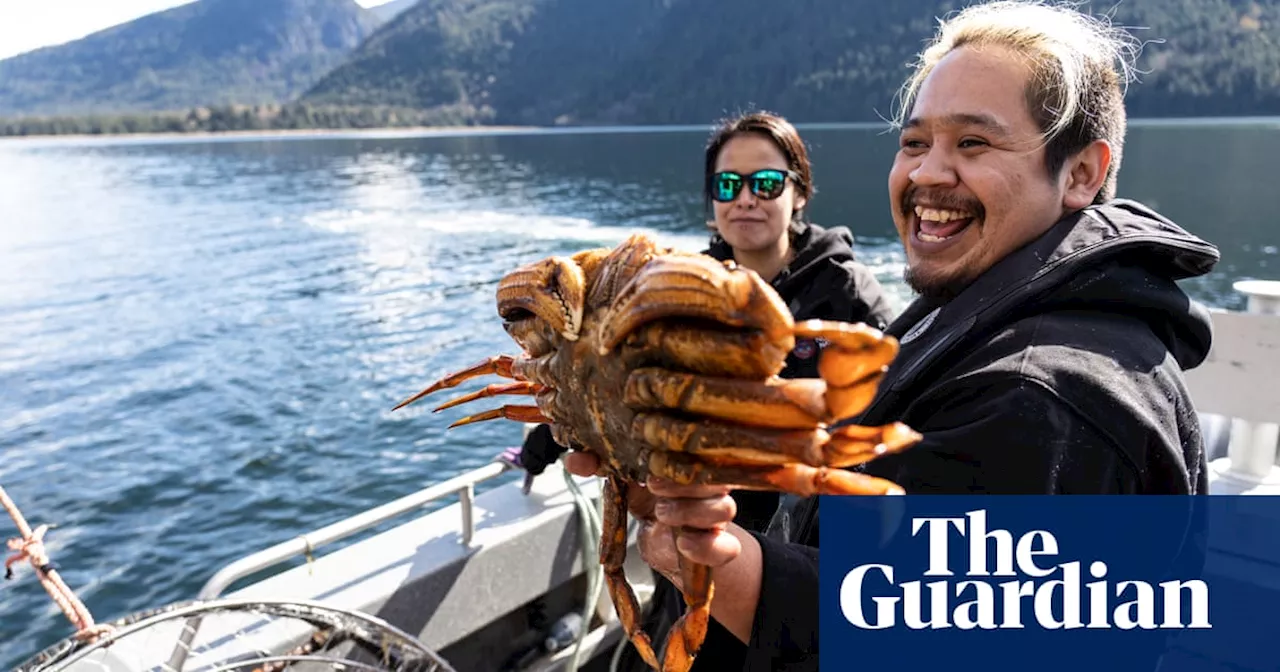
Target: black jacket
[[1059, 371], [824, 281]]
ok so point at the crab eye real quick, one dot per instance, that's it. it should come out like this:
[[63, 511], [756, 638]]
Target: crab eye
[[517, 314]]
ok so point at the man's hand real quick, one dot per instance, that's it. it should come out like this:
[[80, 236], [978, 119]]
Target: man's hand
[[582, 464], [698, 515]]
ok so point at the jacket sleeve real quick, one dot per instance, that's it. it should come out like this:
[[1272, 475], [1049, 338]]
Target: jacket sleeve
[[1008, 436], [784, 633]]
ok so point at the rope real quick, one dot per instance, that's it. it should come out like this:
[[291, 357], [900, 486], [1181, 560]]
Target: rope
[[590, 528], [30, 546]]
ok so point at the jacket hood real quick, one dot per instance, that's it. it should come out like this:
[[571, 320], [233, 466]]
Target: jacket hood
[[1117, 257], [815, 248], [1134, 257]]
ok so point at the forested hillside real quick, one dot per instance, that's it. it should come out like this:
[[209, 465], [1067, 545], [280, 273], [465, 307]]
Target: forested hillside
[[688, 61], [205, 53], [283, 64]]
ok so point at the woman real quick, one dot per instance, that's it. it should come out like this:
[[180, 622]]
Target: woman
[[757, 183]]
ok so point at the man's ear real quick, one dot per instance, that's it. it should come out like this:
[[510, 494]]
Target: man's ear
[[1085, 173]]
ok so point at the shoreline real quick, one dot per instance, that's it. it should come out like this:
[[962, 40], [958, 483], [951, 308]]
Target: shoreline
[[455, 130], [282, 132]]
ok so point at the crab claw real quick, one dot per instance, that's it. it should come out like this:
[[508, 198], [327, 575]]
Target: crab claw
[[553, 290]]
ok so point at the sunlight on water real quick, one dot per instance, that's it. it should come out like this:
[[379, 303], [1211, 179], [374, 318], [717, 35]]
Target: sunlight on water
[[463, 226], [203, 340]]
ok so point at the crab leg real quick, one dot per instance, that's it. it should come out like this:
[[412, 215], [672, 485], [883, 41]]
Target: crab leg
[[696, 286], [851, 367], [854, 363], [518, 387], [690, 630], [520, 413], [853, 445], [777, 403], [798, 403], [613, 553], [499, 364], [798, 479], [738, 354], [722, 443]]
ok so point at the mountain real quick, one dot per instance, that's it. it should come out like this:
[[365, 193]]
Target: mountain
[[204, 53], [329, 63], [690, 61], [391, 10], [436, 54]]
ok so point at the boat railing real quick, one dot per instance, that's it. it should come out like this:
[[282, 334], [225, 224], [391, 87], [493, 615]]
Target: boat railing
[[1234, 384], [462, 485]]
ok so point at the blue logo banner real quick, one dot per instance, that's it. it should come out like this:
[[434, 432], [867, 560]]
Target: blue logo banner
[[1069, 583]]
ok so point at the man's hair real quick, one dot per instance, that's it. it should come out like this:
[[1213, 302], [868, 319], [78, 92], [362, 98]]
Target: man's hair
[[1080, 66]]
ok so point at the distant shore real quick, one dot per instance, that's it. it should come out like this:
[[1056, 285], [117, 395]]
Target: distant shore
[[282, 132], [463, 130]]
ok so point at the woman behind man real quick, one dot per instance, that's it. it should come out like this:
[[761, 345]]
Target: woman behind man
[[757, 183]]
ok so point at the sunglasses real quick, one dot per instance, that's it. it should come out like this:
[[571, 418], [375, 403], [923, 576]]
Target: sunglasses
[[767, 184]]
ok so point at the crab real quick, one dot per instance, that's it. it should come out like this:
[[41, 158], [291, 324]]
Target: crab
[[665, 363]]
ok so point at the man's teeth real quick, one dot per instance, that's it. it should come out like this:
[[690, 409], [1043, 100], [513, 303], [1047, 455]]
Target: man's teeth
[[937, 216], [940, 216]]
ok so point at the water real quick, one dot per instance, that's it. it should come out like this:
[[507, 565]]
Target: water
[[202, 340]]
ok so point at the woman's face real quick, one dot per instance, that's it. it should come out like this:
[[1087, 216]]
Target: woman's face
[[749, 222]]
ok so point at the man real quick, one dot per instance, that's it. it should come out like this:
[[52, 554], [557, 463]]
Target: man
[[1045, 352]]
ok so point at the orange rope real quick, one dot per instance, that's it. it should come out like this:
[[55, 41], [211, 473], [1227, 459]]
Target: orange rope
[[30, 547]]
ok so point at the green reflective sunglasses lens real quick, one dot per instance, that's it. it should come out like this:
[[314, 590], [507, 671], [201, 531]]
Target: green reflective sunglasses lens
[[767, 183], [727, 187]]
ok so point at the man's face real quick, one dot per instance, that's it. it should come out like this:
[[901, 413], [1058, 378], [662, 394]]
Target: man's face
[[969, 185]]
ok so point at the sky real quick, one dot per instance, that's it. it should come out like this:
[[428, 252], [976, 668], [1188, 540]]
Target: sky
[[30, 24]]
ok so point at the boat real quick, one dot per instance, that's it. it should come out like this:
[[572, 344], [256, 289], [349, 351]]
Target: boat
[[504, 579]]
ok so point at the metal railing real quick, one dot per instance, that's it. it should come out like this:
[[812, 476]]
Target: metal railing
[[462, 485], [305, 544], [1252, 463]]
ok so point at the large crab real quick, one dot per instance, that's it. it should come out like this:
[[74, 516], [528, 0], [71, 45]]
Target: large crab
[[665, 362]]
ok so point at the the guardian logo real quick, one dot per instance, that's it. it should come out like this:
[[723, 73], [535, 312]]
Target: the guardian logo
[[1031, 592]]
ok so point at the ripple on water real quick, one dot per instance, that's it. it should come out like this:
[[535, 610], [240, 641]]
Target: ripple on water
[[201, 382], [202, 342]]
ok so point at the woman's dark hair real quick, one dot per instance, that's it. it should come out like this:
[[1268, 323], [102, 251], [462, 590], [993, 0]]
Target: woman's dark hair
[[771, 127]]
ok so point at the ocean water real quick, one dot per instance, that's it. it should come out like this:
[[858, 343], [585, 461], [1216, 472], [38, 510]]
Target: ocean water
[[201, 340]]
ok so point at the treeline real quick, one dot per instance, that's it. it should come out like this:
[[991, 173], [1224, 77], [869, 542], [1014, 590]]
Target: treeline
[[296, 116], [211, 52], [592, 62], [544, 62]]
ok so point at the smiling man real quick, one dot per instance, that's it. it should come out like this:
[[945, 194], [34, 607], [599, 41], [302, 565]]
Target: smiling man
[[1046, 351]]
